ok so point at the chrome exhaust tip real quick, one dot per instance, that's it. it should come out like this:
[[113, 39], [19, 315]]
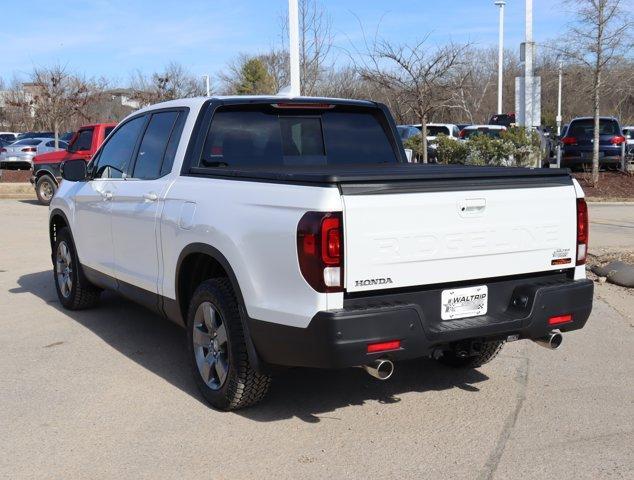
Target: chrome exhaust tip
[[380, 369], [552, 341]]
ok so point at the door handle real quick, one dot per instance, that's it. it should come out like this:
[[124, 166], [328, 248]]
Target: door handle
[[107, 196], [150, 197]]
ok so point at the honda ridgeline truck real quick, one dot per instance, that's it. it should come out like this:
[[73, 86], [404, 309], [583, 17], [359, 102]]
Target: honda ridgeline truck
[[293, 232]]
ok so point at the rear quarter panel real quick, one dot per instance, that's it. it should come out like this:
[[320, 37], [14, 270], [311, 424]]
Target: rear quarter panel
[[254, 226]]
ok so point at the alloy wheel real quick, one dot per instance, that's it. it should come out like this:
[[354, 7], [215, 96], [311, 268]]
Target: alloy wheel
[[64, 269], [210, 345]]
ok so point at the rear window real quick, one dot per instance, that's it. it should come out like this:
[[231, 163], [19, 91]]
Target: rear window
[[266, 136], [585, 128]]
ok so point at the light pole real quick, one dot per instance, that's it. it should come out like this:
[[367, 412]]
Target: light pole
[[558, 119], [293, 32], [500, 3], [528, 67], [561, 71], [206, 78]]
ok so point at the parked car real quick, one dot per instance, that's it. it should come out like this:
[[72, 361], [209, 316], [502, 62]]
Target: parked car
[[24, 135], [492, 131], [292, 232], [46, 174], [577, 142], [461, 126], [628, 133], [433, 130], [505, 119], [8, 137], [407, 131], [19, 155]]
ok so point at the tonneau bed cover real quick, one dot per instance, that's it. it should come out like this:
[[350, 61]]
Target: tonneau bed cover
[[359, 179]]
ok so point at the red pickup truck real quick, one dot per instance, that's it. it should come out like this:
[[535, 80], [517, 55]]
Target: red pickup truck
[[83, 145]]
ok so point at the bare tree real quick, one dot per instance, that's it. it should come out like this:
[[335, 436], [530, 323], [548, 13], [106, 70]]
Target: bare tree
[[420, 77], [598, 35], [172, 83], [52, 99]]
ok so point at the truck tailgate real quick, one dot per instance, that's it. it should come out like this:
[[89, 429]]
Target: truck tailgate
[[407, 238]]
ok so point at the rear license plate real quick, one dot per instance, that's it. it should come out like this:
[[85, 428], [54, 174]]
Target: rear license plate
[[464, 302], [12, 159]]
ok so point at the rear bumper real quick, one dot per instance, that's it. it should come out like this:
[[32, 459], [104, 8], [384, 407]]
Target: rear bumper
[[583, 156], [337, 339]]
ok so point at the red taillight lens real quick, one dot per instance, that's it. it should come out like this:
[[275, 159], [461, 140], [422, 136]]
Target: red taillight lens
[[384, 346], [3, 150], [559, 319], [569, 140], [29, 149], [331, 240], [461, 134], [582, 231], [320, 250], [617, 140]]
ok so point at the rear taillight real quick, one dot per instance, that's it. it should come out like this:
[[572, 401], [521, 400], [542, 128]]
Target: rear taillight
[[320, 250], [617, 140], [29, 149], [461, 134], [3, 150], [569, 140], [582, 231]]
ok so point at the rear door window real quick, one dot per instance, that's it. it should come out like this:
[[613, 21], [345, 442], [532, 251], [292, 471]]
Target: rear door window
[[149, 158], [266, 136]]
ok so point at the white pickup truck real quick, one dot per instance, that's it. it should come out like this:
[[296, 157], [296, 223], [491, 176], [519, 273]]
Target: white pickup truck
[[292, 232]]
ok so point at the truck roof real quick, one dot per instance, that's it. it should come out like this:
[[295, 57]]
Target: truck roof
[[197, 102], [93, 125]]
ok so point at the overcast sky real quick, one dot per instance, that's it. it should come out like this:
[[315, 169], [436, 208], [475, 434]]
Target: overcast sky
[[114, 38]]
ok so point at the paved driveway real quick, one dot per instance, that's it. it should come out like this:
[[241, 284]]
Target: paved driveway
[[611, 226], [107, 393]]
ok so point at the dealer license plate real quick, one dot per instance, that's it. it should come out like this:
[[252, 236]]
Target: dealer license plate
[[464, 302]]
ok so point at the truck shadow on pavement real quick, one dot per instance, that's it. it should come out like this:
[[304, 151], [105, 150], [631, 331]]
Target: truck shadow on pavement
[[159, 346]]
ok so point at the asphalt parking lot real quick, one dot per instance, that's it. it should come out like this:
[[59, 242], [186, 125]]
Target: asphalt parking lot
[[107, 393]]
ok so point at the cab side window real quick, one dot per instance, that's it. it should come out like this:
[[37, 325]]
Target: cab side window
[[83, 141], [114, 158]]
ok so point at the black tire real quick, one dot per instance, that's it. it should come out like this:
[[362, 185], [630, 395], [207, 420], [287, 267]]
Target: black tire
[[488, 351], [242, 386], [79, 294], [45, 188]]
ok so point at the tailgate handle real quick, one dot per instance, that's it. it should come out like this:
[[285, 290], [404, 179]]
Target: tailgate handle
[[472, 206]]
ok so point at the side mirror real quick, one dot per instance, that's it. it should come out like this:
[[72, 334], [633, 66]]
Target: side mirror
[[73, 170]]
